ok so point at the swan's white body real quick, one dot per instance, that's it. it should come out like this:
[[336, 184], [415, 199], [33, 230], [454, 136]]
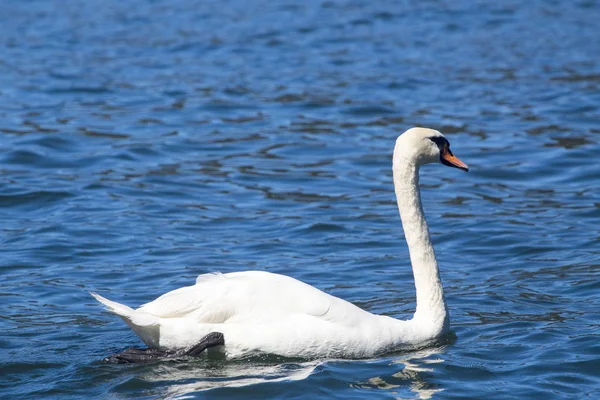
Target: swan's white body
[[264, 312]]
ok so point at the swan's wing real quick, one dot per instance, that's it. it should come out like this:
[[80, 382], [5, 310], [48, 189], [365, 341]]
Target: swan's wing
[[254, 295], [198, 300]]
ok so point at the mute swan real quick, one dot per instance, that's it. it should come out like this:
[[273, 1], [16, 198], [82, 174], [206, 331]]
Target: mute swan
[[258, 311]]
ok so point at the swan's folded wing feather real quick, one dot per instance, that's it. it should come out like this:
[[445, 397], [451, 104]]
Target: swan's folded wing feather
[[203, 300], [252, 295]]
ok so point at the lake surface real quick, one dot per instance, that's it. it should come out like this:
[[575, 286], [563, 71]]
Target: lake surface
[[145, 142]]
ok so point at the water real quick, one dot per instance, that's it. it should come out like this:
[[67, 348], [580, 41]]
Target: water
[[143, 143]]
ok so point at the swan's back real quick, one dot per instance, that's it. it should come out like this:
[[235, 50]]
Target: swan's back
[[253, 297]]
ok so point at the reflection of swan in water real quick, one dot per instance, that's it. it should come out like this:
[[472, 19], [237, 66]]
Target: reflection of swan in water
[[184, 379], [256, 311], [210, 374], [416, 366]]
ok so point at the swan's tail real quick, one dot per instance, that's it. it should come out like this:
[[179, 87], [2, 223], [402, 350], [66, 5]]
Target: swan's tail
[[143, 324]]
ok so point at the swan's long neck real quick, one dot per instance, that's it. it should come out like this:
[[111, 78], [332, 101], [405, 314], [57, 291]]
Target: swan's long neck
[[431, 312]]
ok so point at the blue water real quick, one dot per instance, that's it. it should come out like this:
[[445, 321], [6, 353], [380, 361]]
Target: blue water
[[145, 142]]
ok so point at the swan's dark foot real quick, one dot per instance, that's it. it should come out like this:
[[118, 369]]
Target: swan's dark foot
[[211, 340], [137, 355]]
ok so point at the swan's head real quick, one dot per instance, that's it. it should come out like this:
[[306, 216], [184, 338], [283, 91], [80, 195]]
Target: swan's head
[[425, 146]]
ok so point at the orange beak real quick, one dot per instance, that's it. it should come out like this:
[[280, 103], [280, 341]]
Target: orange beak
[[449, 159]]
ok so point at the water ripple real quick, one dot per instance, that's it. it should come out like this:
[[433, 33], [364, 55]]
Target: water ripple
[[157, 141]]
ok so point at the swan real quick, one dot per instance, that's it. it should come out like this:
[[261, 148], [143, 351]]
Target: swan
[[257, 311]]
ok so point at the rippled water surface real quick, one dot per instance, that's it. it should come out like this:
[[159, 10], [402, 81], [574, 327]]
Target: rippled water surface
[[145, 142]]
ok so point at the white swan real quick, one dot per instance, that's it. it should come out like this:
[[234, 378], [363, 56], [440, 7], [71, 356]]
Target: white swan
[[257, 311]]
